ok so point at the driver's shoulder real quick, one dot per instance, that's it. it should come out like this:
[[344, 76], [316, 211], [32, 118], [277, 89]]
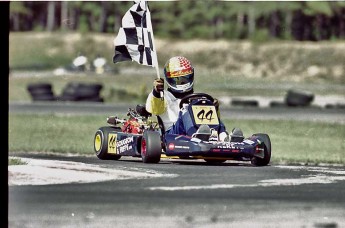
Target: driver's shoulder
[[170, 97]]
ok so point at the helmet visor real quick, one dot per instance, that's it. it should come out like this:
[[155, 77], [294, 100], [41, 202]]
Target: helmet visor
[[180, 81]]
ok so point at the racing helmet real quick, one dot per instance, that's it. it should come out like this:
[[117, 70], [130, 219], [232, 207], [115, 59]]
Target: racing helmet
[[179, 74]]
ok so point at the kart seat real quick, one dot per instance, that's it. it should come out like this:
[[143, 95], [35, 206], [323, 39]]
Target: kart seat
[[141, 110]]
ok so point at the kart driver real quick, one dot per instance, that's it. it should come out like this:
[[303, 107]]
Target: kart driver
[[179, 76]]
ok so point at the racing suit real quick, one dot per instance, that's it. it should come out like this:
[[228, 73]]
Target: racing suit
[[172, 117]]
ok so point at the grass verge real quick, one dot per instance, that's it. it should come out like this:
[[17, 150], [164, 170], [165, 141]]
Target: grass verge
[[16, 161], [292, 142]]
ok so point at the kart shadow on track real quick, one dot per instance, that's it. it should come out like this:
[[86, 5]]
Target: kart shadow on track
[[143, 135], [193, 162], [203, 163]]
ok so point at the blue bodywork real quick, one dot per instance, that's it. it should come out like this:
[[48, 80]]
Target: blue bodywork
[[179, 145]]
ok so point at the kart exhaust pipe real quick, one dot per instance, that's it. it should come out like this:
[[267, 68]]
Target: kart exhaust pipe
[[113, 120]]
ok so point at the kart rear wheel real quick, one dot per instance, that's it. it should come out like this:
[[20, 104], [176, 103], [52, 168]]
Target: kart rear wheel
[[101, 143], [151, 147], [267, 151]]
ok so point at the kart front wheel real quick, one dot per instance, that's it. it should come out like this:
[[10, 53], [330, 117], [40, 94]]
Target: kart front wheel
[[101, 143], [151, 147], [267, 151]]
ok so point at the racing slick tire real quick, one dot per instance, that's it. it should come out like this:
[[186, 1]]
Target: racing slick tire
[[75, 91], [151, 147], [32, 87], [101, 143], [41, 92], [298, 98], [267, 151]]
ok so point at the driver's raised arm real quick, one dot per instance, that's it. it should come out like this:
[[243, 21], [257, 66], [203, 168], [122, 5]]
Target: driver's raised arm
[[154, 103]]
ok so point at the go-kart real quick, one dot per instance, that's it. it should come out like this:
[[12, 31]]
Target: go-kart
[[143, 135]]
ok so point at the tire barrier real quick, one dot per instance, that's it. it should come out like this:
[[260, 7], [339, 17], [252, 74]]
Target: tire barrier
[[335, 106], [297, 98], [246, 103], [277, 104], [41, 92], [75, 91]]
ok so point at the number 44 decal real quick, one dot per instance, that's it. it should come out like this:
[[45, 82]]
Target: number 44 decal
[[205, 115]]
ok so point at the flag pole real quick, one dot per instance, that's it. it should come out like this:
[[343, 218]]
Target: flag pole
[[158, 76], [153, 41], [157, 71], [154, 48], [157, 68]]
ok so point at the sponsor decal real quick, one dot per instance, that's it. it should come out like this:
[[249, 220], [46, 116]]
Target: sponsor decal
[[181, 147], [171, 146], [125, 144], [224, 149], [112, 143], [179, 73], [226, 145], [249, 141], [259, 149]]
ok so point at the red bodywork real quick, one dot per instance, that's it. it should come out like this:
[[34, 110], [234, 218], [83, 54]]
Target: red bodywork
[[132, 126]]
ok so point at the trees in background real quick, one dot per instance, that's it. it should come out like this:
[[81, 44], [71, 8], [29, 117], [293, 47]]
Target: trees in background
[[257, 20]]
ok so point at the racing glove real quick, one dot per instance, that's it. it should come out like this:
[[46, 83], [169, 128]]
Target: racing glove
[[158, 85]]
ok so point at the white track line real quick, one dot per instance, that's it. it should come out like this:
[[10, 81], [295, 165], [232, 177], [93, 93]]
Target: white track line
[[316, 175], [45, 172]]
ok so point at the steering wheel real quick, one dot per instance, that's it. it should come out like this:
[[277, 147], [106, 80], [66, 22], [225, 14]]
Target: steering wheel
[[187, 99]]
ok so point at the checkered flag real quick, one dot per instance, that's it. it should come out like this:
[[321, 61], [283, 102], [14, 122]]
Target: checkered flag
[[134, 41]]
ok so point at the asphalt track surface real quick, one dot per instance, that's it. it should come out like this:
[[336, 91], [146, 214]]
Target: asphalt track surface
[[182, 193], [179, 193]]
